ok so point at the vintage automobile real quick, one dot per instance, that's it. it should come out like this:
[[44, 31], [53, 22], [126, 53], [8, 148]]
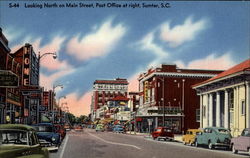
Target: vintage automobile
[[18, 140], [47, 135], [189, 137], [162, 133], [214, 137], [67, 127], [61, 130], [99, 127], [118, 129], [78, 128], [242, 142]]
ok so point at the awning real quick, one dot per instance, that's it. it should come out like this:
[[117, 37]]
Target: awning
[[107, 120]]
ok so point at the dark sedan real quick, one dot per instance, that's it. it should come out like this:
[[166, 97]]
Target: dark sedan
[[47, 135]]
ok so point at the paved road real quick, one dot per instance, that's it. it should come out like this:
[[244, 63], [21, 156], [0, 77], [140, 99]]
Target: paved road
[[91, 144]]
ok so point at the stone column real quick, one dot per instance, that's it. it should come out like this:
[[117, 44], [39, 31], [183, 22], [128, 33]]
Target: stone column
[[201, 111], [218, 109], [207, 110], [210, 109], [226, 110]]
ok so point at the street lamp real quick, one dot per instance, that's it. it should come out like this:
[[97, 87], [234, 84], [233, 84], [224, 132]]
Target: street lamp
[[54, 87]]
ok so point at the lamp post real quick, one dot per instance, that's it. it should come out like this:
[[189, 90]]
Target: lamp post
[[53, 111], [62, 114], [39, 59], [57, 109]]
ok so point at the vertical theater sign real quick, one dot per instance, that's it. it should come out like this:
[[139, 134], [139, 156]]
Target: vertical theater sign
[[26, 66]]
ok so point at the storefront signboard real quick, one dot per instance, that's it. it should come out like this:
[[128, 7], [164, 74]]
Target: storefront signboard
[[8, 79]]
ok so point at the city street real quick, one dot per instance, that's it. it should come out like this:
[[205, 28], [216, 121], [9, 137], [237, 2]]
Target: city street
[[91, 144]]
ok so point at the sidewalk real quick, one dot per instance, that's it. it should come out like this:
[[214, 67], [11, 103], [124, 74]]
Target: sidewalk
[[177, 137]]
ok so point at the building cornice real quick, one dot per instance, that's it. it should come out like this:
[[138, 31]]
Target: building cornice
[[222, 78], [176, 74]]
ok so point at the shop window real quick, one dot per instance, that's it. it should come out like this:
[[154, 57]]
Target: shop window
[[243, 107], [197, 115]]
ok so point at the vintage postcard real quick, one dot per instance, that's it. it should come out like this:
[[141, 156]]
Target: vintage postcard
[[124, 79]]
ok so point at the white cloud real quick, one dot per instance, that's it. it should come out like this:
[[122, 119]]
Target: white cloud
[[98, 43], [47, 81], [148, 44], [181, 33], [211, 62]]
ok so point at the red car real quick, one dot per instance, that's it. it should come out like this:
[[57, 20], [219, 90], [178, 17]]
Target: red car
[[61, 130], [163, 133]]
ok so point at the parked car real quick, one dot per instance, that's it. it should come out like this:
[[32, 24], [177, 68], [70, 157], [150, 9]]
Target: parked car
[[47, 135], [99, 127], [61, 130], [214, 137], [118, 129], [67, 127], [242, 142], [18, 140], [163, 133], [189, 137]]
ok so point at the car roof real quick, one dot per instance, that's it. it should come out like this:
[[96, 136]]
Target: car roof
[[17, 127], [43, 124], [194, 130], [217, 128]]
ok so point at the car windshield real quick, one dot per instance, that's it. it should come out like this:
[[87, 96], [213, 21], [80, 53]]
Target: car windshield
[[223, 131], [43, 128], [245, 133], [17, 137], [157, 130]]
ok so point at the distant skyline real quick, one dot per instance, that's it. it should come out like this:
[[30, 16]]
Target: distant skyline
[[107, 43]]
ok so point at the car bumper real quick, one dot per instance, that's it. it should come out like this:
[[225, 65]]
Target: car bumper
[[222, 144], [53, 148]]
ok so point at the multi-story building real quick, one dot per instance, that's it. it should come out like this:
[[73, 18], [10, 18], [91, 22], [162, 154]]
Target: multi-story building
[[29, 87], [167, 98], [105, 90], [225, 99], [10, 73]]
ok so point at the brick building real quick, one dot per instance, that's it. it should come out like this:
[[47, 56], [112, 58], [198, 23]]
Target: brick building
[[166, 94], [105, 90], [10, 73]]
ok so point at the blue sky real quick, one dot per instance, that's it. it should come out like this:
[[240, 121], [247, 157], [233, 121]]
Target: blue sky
[[106, 43]]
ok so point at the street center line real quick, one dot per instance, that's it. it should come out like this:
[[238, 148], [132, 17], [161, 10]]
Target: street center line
[[114, 142], [64, 145]]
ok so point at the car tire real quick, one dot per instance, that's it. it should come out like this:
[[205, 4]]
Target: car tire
[[210, 145], [234, 150], [196, 144]]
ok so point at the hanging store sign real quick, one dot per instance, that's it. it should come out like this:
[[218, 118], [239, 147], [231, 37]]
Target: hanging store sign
[[8, 79]]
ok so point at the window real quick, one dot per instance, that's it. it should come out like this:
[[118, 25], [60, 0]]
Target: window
[[243, 107], [197, 115]]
